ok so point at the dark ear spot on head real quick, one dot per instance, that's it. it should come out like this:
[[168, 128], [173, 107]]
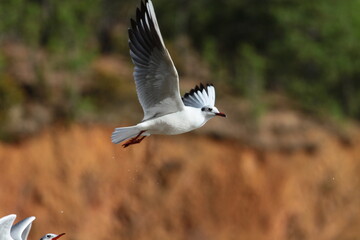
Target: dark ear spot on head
[[203, 109]]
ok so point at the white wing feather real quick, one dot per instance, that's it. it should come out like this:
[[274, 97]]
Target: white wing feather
[[156, 78], [20, 230], [5, 226]]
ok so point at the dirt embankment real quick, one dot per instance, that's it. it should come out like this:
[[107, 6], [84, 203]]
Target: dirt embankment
[[181, 187]]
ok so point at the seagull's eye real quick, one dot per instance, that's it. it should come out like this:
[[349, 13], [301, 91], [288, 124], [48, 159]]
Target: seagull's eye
[[48, 236], [210, 109]]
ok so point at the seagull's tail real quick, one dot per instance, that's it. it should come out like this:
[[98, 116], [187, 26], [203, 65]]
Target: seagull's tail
[[124, 133]]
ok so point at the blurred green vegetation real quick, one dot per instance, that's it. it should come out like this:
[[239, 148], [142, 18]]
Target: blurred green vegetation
[[308, 50]]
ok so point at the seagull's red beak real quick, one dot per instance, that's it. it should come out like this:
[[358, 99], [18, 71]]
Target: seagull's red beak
[[58, 236], [220, 114]]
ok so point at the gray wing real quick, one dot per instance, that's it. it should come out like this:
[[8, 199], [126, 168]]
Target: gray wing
[[20, 231], [5, 226], [201, 96], [156, 78]]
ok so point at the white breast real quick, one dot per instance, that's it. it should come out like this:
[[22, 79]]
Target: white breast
[[175, 123]]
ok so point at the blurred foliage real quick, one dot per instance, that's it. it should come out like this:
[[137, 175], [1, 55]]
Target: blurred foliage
[[309, 49], [10, 94], [56, 25], [319, 54], [306, 49]]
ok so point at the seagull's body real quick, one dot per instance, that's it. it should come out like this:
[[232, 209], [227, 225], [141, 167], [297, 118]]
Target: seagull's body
[[20, 231], [157, 86], [175, 123]]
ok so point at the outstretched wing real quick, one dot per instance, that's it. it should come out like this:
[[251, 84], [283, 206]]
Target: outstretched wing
[[20, 231], [156, 78], [201, 96], [5, 226]]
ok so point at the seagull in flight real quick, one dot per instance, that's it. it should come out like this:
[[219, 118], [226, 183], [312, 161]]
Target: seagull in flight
[[157, 86], [20, 231]]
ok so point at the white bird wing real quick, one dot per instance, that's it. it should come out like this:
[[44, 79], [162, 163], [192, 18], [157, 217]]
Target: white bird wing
[[20, 230], [199, 97], [5, 226], [156, 78]]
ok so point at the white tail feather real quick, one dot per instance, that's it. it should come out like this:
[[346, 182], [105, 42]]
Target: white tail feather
[[124, 133]]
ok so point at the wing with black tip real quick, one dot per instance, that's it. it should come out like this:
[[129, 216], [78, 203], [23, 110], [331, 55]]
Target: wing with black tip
[[201, 96], [156, 78]]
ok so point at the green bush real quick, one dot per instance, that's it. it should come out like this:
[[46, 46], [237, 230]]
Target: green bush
[[308, 49], [10, 95]]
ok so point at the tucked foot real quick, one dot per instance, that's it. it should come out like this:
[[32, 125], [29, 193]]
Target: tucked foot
[[134, 140]]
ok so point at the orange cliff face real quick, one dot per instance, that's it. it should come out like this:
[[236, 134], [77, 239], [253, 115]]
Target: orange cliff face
[[75, 180]]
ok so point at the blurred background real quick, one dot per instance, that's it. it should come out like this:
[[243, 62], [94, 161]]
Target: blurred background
[[283, 165]]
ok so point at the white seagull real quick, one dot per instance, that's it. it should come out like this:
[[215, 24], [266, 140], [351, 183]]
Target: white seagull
[[20, 231], [157, 86]]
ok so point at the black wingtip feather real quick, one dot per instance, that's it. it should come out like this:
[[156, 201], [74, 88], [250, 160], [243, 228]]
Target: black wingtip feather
[[142, 4], [138, 15], [143, 36], [197, 88], [203, 87], [190, 99]]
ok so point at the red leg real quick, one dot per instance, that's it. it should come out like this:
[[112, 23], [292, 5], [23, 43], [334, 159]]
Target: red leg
[[134, 140]]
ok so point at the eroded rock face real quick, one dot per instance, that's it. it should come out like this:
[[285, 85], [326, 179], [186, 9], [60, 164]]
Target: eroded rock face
[[181, 187]]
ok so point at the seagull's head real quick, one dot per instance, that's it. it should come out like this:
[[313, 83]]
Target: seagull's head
[[210, 112], [51, 236]]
